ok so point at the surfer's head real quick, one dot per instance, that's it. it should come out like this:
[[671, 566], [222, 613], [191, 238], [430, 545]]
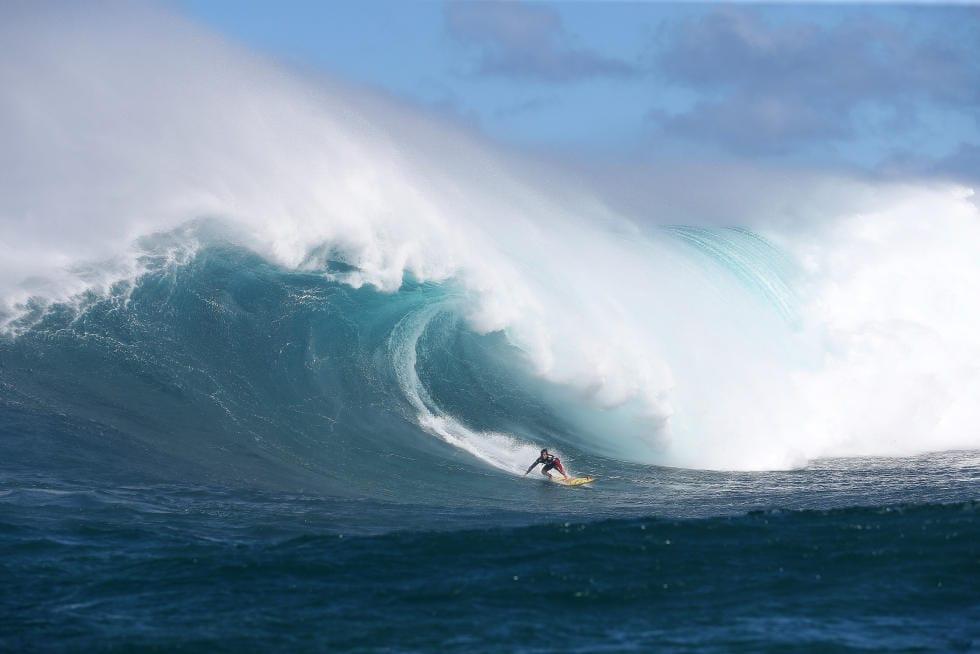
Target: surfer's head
[[544, 451]]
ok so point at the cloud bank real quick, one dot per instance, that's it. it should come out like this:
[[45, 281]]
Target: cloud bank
[[524, 41], [767, 86]]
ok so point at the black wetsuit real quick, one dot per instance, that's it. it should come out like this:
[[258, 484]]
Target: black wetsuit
[[550, 462]]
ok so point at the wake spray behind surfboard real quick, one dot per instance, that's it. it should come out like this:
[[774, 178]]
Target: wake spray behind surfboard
[[500, 450]]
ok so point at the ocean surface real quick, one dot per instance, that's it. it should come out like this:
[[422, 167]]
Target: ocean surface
[[225, 455]]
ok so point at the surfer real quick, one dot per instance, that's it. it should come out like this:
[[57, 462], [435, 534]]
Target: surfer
[[549, 461]]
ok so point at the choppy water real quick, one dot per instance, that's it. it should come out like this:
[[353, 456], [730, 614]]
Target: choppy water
[[845, 556]]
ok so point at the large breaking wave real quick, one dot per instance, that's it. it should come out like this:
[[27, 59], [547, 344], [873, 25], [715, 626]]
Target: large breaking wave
[[222, 264]]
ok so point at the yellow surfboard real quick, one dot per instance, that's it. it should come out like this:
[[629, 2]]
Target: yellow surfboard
[[574, 481]]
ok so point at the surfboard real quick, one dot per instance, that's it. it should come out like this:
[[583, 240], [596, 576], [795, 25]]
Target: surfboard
[[574, 481]]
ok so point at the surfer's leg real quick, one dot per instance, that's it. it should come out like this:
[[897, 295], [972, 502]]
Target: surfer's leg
[[560, 469], [545, 469]]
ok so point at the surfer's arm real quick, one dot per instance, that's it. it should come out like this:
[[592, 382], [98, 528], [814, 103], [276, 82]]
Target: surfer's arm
[[533, 466]]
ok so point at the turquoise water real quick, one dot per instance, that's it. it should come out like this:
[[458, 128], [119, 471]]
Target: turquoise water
[[228, 456]]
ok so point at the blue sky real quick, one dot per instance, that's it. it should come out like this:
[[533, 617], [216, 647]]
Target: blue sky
[[893, 88]]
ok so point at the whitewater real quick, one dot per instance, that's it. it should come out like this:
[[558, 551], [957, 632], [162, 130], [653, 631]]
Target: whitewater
[[474, 297]]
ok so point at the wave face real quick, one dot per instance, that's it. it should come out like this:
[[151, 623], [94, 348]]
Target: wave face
[[231, 366], [304, 276]]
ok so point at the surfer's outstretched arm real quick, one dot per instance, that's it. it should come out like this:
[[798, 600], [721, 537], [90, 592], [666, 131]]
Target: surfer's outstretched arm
[[533, 465]]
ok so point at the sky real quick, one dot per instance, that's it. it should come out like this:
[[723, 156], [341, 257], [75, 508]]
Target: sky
[[888, 89]]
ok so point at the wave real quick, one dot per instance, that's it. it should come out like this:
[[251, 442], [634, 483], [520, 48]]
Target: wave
[[413, 278]]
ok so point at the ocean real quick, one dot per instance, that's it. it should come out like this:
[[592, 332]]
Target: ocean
[[224, 454]]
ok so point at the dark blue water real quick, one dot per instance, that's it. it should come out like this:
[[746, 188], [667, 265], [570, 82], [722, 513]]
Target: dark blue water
[[223, 457], [161, 568]]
